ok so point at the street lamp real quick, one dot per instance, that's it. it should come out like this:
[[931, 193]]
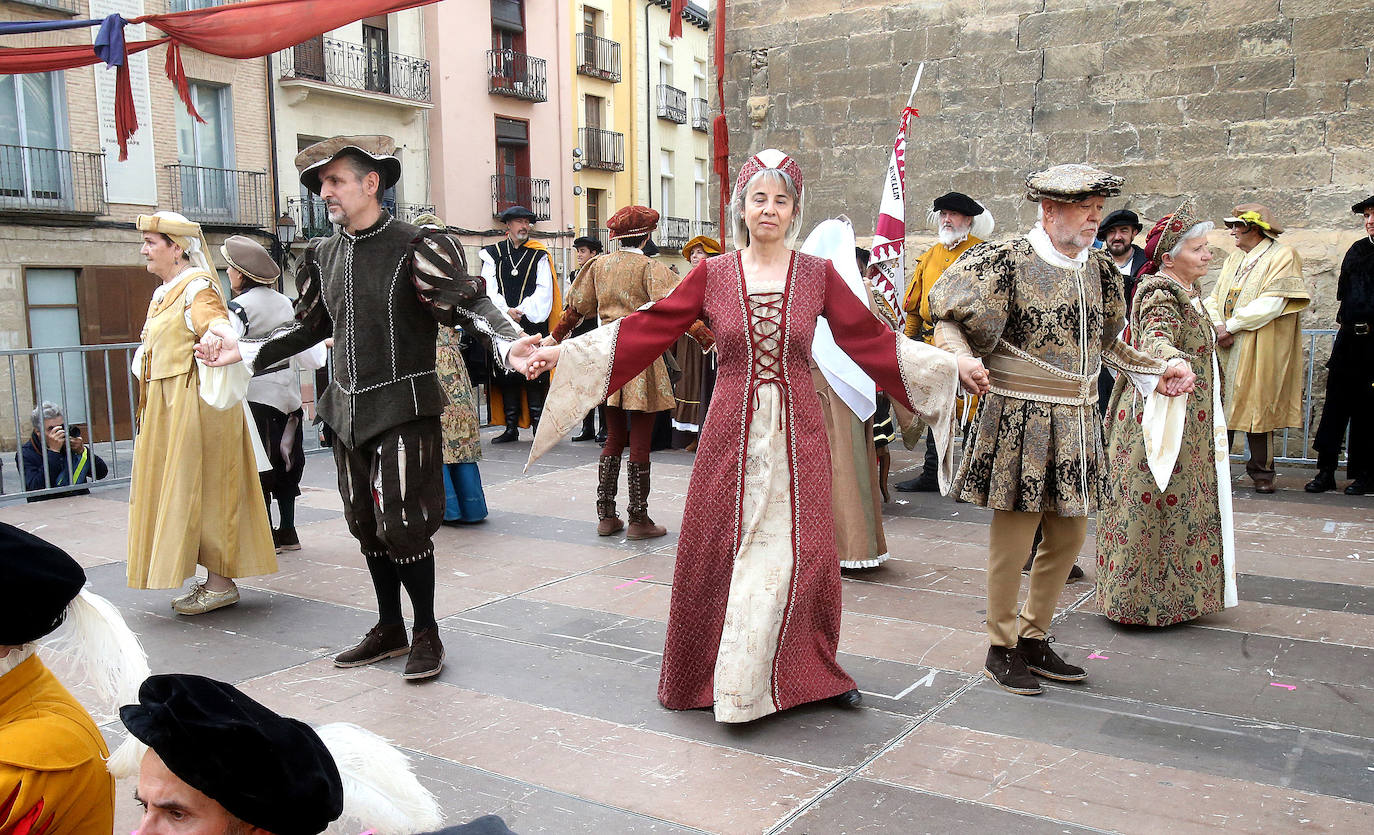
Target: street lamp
[[286, 234]]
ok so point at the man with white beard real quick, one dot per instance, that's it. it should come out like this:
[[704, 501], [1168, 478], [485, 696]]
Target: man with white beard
[[960, 221]]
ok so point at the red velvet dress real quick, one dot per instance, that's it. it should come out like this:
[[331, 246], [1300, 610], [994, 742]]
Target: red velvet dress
[[764, 417]]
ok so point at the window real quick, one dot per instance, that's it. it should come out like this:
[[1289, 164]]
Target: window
[[512, 162], [699, 195], [592, 111], [507, 39], [377, 56], [665, 64], [665, 174], [699, 79], [29, 123], [508, 15], [205, 152], [54, 322], [591, 22], [594, 198]]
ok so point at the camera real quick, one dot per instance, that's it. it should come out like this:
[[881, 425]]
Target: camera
[[73, 430]]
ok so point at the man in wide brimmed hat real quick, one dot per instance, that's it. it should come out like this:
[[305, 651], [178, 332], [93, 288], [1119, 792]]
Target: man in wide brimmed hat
[[1350, 371], [274, 396], [1038, 309], [961, 223], [521, 280], [53, 773], [612, 287], [1118, 232], [1255, 307], [384, 400]]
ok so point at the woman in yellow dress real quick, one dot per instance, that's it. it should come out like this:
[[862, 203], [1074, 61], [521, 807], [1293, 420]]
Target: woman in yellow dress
[[195, 498]]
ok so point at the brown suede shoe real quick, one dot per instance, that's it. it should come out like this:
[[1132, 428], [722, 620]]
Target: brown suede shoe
[[606, 527], [1264, 485], [385, 640], [426, 655]]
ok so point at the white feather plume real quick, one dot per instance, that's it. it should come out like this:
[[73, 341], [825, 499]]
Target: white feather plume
[[380, 790], [100, 649]]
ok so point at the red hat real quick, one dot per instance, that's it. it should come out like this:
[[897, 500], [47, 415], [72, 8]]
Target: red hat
[[771, 158], [632, 222]]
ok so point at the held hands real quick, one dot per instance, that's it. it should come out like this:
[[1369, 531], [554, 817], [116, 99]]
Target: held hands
[[521, 351], [1177, 379], [973, 376], [543, 360], [514, 314], [219, 347]]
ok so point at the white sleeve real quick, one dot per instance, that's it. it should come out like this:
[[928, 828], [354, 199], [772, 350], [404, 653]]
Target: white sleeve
[[1256, 314], [1162, 428], [489, 279], [537, 306], [312, 358]]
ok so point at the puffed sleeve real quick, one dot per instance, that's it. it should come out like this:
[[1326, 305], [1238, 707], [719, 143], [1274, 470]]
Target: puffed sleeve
[[975, 293]]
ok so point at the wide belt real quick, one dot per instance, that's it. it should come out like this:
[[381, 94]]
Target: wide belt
[[1028, 379]]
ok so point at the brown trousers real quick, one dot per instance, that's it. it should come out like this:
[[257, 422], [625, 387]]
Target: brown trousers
[[1260, 464], [1009, 542]]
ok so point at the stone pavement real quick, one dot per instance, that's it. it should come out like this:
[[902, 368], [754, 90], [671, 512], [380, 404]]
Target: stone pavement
[[1257, 719]]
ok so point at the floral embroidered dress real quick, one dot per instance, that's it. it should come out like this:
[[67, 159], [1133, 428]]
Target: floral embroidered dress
[[754, 621], [462, 438], [1165, 546]]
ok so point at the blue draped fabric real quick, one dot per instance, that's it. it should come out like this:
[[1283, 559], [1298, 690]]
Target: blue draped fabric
[[109, 41]]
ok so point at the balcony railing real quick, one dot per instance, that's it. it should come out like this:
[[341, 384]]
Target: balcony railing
[[601, 233], [673, 232], [701, 116], [312, 219], [222, 196], [709, 228], [70, 6], [603, 149], [672, 104], [598, 57], [516, 75], [187, 5], [52, 180], [508, 191], [357, 67]]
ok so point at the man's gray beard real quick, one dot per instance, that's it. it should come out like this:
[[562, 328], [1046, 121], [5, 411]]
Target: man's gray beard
[[950, 237]]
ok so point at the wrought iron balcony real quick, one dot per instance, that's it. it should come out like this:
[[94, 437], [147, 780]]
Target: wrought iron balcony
[[672, 104], [187, 5], [601, 233], [701, 115], [51, 180], [69, 6], [516, 75], [709, 228], [598, 57], [222, 196], [673, 232], [312, 219], [356, 67], [508, 191], [603, 149]]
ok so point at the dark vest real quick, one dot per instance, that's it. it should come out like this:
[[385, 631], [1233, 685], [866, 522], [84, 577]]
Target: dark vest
[[517, 276]]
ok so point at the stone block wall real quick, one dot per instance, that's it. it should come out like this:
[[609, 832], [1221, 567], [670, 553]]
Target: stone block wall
[[1224, 101]]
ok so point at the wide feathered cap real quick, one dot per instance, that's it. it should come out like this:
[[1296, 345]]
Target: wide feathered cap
[[379, 149], [39, 580]]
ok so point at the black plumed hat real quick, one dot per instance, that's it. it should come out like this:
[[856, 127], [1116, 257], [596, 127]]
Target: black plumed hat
[[40, 579], [956, 201], [270, 771], [1367, 203]]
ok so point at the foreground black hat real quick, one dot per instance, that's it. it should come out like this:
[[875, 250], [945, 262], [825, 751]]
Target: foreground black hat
[[957, 202], [1367, 203], [515, 212], [37, 581], [270, 771], [1120, 217]]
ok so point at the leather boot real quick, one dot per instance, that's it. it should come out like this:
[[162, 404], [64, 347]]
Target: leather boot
[[884, 467], [1325, 480], [534, 395], [510, 400], [608, 478], [641, 526]]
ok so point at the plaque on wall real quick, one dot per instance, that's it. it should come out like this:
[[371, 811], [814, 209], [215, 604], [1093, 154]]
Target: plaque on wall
[[135, 179]]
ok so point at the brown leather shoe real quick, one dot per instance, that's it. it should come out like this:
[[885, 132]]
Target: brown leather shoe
[[426, 655], [385, 640], [1264, 485], [606, 527]]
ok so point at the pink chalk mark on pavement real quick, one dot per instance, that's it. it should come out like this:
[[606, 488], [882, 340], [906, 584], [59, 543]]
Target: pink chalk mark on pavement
[[1102, 657], [635, 580], [1284, 686]]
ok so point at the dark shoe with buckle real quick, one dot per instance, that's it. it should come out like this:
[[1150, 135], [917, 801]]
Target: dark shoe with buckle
[[1358, 487], [426, 655], [511, 434], [920, 484], [1042, 660], [1008, 670], [286, 539], [385, 640], [1325, 480], [1264, 485], [849, 698]]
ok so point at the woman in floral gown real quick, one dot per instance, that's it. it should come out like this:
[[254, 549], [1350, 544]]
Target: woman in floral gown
[[1165, 548], [754, 621]]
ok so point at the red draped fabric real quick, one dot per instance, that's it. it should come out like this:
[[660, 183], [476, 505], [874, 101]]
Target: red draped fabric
[[249, 29]]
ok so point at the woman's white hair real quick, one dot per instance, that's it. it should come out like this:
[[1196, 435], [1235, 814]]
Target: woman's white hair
[[1197, 230], [775, 176]]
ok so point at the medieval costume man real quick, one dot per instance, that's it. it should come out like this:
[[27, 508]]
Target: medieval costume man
[[698, 377], [1254, 307], [196, 497], [1165, 542], [1044, 311], [53, 771], [380, 287], [612, 287], [222, 762], [521, 280], [961, 223], [585, 249], [753, 626], [274, 395], [1350, 371]]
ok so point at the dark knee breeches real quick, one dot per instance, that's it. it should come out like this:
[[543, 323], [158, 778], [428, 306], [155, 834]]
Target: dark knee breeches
[[393, 490]]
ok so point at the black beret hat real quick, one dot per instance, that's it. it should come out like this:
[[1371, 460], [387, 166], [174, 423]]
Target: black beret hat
[[1120, 217], [267, 770], [957, 202], [1367, 203], [515, 212], [37, 581]]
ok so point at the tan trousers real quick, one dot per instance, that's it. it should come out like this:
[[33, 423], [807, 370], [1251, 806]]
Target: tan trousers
[[1009, 542]]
